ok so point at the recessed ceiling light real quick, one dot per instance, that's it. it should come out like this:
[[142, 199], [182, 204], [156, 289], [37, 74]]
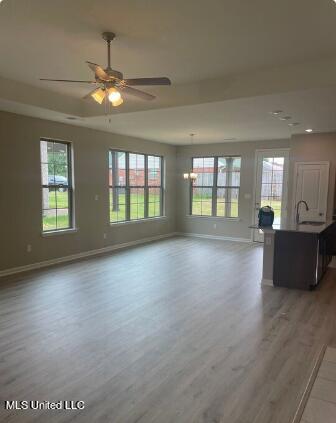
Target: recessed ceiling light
[[295, 123], [277, 112], [309, 130], [285, 118]]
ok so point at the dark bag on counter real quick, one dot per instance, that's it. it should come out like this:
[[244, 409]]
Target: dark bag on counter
[[266, 216]]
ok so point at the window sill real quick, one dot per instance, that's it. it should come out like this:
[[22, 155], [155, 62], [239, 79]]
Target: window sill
[[132, 222], [59, 232], [227, 219]]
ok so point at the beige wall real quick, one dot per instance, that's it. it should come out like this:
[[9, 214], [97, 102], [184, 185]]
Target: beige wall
[[20, 191], [310, 147]]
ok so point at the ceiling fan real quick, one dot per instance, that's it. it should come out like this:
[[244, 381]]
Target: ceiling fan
[[110, 83]]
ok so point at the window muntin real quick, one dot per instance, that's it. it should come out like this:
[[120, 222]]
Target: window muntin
[[215, 192], [56, 185], [136, 188]]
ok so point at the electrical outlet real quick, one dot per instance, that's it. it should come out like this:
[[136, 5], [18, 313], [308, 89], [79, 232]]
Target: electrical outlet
[[29, 248], [105, 236], [96, 197], [215, 225]]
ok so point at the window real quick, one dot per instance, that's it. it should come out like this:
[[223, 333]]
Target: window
[[135, 183], [272, 185], [117, 184], [56, 185], [154, 182], [202, 189], [215, 192], [228, 183]]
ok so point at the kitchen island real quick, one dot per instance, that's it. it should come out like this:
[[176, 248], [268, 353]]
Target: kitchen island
[[296, 255]]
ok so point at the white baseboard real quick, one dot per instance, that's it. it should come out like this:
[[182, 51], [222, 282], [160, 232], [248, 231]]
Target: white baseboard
[[84, 254], [267, 282], [217, 237]]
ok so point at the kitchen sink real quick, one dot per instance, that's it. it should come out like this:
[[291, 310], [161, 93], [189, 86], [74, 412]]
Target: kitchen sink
[[309, 222]]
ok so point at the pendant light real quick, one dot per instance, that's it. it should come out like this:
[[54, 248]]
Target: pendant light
[[190, 175]]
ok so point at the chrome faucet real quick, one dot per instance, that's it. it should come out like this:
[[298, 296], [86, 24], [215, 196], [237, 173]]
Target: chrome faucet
[[298, 208]]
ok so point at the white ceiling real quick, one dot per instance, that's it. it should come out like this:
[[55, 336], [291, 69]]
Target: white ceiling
[[230, 62], [239, 119]]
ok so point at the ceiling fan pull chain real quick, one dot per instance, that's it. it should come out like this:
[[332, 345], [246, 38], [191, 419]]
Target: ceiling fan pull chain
[[105, 103]]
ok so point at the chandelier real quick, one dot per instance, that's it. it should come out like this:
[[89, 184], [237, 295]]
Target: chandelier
[[190, 175]]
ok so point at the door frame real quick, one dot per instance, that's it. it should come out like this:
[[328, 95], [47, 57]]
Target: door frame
[[295, 182], [272, 152]]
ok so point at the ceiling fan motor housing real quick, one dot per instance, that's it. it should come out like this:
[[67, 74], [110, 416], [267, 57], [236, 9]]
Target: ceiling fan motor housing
[[114, 74], [108, 36]]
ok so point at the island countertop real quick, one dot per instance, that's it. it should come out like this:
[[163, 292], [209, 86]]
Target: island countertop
[[317, 228]]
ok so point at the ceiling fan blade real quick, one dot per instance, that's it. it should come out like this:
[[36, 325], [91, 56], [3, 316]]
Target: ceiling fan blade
[[99, 71], [137, 93], [148, 81], [68, 80]]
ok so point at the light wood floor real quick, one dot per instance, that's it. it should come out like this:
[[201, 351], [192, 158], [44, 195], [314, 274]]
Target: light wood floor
[[175, 331]]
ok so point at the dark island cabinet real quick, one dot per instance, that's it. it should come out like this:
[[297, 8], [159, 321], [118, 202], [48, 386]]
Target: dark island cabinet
[[301, 258]]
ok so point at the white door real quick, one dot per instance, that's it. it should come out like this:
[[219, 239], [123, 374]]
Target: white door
[[271, 185], [312, 180]]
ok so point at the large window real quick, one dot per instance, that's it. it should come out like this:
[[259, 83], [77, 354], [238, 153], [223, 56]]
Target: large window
[[202, 189], [215, 192], [56, 185], [136, 188]]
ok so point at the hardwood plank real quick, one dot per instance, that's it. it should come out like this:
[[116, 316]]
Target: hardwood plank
[[175, 331]]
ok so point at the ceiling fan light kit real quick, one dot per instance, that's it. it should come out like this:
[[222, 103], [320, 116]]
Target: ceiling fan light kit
[[98, 95], [114, 97], [111, 83]]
